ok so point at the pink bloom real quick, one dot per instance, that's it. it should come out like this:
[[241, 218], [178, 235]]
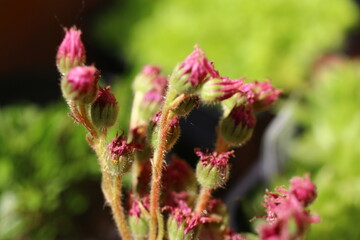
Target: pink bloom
[[198, 67], [135, 202], [153, 96], [219, 89], [81, 83], [303, 189], [119, 146], [184, 214], [243, 114], [150, 70], [261, 94], [71, 49], [283, 207], [215, 159]]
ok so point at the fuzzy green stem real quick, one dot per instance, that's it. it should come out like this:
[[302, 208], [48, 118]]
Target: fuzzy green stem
[[203, 199], [118, 210], [157, 164]]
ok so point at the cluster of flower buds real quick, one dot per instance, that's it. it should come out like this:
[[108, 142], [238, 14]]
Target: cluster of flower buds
[[286, 211], [212, 171], [80, 83], [154, 129]]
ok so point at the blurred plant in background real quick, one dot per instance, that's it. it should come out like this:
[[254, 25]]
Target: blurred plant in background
[[330, 148], [38, 171], [261, 38]]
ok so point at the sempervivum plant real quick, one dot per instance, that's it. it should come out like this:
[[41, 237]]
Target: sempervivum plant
[[173, 201]]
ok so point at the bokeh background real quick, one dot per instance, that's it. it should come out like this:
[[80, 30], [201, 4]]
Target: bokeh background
[[49, 178]]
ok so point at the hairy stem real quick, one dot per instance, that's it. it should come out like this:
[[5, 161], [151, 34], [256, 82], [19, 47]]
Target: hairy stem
[[157, 164], [203, 199], [118, 210]]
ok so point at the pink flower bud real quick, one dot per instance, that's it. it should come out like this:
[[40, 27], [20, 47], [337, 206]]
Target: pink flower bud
[[105, 109], [120, 156], [192, 72], [219, 89], [81, 84], [172, 134], [182, 221], [138, 220], [71, 52], [150, 78], [303, 189], [212, 171], [238, 126], [261, 94]]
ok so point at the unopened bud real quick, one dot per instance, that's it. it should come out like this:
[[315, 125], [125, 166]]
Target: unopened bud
[[185, 106], [192, 72], [219, 89], [138, 220], [120, 156], [262, 95], [172, 134], [105, 109], [238, 126], [81, 84], [71, 51], [177, 230], [212, 171]]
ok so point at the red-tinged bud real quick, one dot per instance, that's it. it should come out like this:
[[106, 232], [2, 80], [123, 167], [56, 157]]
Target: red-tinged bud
[[212, 171], [303, 189], [105, 109], [186, 106], [262, 95], [150, 78], [219, 89], [138, 217], [81, 84], [238, 126], [120, 156], [172, 134], [71, 52], [192, 72]]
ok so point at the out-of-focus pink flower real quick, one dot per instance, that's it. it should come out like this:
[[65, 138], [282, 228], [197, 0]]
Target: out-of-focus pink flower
[[284, 207], [261, 94], [71, 52], [303, 189]]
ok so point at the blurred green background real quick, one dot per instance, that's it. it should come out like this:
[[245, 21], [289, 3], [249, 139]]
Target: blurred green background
[[49, 179]]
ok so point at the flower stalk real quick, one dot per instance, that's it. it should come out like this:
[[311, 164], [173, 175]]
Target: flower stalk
[[173, 201]]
